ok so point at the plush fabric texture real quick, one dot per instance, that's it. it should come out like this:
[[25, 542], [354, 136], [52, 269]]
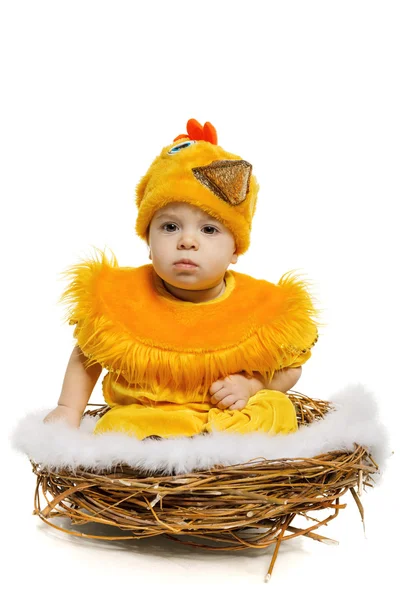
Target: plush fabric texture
[[57, 445], [196, 170], [123, 321], [163, 354], [268, 410]]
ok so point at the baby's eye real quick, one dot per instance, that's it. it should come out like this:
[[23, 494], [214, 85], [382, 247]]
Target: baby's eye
[[168, 225], [181, 146], [173, 225]]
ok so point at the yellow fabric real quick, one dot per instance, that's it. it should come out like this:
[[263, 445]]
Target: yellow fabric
[[268, 410], [163, 354]]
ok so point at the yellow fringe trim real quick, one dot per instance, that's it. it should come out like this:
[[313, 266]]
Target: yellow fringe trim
[[273, 346]]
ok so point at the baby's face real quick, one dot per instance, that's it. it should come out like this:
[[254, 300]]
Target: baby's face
[[181, 230]]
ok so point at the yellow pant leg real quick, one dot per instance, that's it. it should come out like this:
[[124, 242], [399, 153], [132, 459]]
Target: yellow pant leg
[[141, 421], [268, 410]]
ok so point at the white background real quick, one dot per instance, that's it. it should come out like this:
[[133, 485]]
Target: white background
[[308, 92]]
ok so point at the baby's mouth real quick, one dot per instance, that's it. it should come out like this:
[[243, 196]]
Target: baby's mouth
[[185, 266]]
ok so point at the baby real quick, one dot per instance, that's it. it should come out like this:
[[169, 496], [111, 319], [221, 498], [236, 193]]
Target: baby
[[194, 347]]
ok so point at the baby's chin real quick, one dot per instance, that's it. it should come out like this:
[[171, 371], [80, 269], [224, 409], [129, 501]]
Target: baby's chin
[[194, 284], [191, 279]]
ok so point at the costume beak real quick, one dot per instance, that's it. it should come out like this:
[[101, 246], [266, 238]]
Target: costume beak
[[228, 179]]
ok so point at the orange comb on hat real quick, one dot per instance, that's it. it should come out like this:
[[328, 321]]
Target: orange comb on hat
[[195, 131]]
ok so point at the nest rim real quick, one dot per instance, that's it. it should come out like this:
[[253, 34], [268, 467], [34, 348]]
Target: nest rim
[[222, 505]]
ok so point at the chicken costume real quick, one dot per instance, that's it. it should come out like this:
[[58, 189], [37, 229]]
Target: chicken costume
[[162, 354]]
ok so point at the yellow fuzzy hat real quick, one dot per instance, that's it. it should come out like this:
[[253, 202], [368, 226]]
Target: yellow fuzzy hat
[[194, 169]]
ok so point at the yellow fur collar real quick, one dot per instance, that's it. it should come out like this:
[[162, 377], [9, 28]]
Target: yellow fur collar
[[131, 325]]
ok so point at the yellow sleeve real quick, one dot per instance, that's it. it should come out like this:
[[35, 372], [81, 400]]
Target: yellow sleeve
[[77, 328], [299, 322], [80, 297], [300, 359], [303, 358]]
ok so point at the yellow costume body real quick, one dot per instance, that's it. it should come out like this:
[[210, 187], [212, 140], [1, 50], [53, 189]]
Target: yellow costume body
[[163, 354]]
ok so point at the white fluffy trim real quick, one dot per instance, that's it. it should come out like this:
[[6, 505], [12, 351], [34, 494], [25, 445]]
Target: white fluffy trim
[[57, 445]]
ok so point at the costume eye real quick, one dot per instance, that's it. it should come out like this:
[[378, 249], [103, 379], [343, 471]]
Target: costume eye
[[181, 146]]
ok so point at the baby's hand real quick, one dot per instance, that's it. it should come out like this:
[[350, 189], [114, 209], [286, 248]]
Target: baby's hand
[[233, 392], [64, 413]]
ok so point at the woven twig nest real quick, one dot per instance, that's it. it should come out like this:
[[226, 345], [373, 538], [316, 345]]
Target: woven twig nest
[[233, 507]]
